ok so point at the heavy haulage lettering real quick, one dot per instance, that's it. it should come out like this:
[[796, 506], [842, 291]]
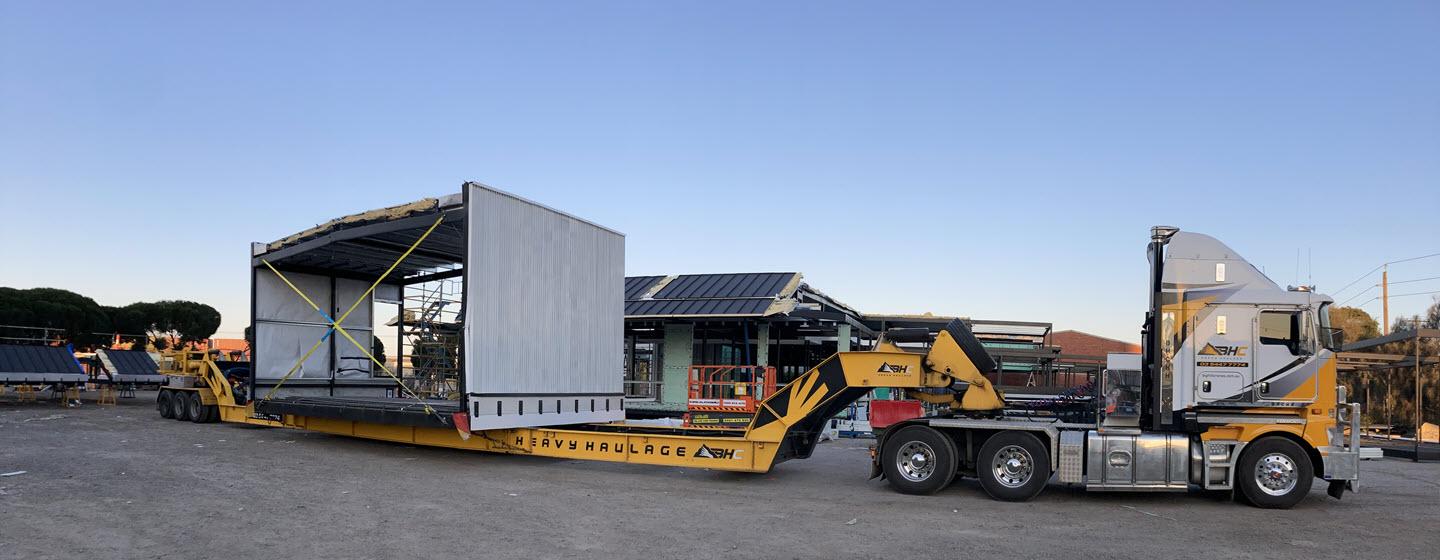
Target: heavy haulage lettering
[[705, 452]]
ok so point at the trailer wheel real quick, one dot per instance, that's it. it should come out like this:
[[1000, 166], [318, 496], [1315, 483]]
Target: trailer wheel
[[919, 460], [1013, 466], [180, 405], [162, 402], [212, 413], [196, 407], [1274, 473]]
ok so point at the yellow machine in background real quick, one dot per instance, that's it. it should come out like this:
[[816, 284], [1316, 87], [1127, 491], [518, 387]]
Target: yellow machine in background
[[196, 390]]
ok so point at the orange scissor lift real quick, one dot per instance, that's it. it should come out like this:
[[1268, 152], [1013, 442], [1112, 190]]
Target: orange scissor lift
[[725, 397]]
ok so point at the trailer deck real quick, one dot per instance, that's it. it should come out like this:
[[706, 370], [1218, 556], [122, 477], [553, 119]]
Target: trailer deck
[[380, 410]]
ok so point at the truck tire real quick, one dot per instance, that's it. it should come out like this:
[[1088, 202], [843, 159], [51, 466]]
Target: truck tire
[[196, 408], [1274, 473], [162, 402], [1013, 466], [919, 460], [180, 405], [212, 413]]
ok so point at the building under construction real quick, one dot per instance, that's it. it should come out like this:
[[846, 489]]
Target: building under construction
[[777, 319]]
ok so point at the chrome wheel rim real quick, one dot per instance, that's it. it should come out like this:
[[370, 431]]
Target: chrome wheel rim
[[915, 461], [1013, 466], [1276, 475]]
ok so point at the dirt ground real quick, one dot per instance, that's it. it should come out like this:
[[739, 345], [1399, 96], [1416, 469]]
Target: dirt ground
[[120, 482]]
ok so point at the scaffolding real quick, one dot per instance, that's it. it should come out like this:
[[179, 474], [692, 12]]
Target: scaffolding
[[16, 334], [429, 329]]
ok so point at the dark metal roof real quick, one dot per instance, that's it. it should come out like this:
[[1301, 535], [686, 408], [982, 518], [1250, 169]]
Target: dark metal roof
[[712, 295], [740, 285], [132, 362], [636, 286], [37, 359], [698, 307]]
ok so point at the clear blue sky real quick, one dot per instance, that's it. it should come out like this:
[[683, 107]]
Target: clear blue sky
[[978, 159]]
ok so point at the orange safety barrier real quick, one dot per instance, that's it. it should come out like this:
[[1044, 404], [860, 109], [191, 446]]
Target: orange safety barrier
[[729, 388]]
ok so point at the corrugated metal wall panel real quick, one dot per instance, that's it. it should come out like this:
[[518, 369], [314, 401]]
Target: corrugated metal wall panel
[[544, 313]]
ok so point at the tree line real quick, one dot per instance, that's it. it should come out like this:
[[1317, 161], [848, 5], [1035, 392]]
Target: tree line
[[83, 322]]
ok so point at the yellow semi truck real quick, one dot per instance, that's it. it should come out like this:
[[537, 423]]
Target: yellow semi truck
[[1235, 390]]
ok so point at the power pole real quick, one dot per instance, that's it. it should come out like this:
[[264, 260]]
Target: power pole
[[1369, 411], [1389, 408], [1385, 299], [1419, 408]]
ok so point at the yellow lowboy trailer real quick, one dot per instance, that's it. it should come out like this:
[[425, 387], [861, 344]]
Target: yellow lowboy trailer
[[786, 427], [1235, 390]]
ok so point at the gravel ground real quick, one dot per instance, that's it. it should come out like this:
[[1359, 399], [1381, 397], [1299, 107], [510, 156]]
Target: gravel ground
[[120, 482]]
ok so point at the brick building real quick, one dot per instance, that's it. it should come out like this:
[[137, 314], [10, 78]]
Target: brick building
[[1086, 344]]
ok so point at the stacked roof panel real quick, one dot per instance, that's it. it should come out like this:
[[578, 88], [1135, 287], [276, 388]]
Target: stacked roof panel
[[21, 365], [131, 366]]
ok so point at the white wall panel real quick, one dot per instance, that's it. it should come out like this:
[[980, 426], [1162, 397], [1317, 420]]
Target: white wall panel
[[275, 301], [544, 312], [350, 362], [346, 292], [286, 326], [279, 345]]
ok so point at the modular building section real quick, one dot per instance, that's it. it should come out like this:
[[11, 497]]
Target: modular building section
[[541, 320]]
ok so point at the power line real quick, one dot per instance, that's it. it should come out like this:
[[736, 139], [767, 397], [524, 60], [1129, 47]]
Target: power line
[[1367, 290], [1415, 293], [1415, 258], [1362, 277], [1382, 265], [1402, 295], [1416, 280], [1358, 294]]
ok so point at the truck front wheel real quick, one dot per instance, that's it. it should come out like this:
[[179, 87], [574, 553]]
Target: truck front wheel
[[918, 460], [1274, 473], [1013, 466]]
